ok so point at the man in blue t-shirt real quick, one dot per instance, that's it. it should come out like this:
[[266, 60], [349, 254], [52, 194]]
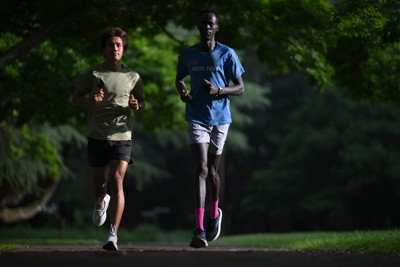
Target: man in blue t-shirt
[[211, 66]]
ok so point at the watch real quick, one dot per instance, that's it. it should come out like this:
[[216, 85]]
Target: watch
[[141, 105]]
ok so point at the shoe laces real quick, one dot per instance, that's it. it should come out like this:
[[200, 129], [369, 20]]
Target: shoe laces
[[213, 222], [199, 232], [112, 231], [102, 210], [112, 234]]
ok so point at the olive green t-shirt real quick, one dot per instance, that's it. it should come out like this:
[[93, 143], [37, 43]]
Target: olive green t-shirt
[[110, 119]]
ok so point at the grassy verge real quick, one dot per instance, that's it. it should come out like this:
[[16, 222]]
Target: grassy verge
[[26, 236], [385, 242]]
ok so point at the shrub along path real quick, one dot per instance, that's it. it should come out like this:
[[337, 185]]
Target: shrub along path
[[150, 255]]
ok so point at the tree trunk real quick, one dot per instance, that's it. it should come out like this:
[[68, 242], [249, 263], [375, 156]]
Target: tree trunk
[[16, 214]]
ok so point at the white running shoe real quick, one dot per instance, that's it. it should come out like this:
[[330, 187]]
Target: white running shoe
[[111, 243], [99, 216]]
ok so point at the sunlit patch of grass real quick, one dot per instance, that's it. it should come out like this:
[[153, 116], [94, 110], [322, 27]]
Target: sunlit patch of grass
[[385, 241]]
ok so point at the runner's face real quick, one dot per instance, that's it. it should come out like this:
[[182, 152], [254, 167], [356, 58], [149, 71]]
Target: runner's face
[[114, 49], [208, 26]]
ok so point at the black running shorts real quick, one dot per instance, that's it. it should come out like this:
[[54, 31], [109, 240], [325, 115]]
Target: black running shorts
[[100, 152]]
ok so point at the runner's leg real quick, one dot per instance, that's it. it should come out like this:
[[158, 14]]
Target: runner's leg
[[99, 184], [199, 152], [213, 182], [117, 203]]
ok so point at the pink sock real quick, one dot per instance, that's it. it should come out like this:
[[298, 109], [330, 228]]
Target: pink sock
[[199, 213], [214, 209]]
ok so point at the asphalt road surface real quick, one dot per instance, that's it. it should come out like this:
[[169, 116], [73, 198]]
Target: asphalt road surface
[[150, 255]]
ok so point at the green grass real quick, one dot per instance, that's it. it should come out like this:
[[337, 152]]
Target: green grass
[[26, 236], [383, 242]]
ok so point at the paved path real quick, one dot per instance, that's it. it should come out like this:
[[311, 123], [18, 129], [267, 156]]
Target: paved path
[[150, 255]]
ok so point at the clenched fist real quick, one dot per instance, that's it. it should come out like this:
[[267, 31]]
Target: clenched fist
[[133, 103], [97, 96]]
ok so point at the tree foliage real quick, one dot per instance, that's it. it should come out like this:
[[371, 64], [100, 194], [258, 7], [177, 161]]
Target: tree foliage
[[355, 43], [365, 52], [31, 166]]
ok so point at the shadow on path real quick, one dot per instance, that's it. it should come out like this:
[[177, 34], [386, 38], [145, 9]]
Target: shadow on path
[[150, 255]]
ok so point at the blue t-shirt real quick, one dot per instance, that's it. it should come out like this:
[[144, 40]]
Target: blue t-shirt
[[219, 66]]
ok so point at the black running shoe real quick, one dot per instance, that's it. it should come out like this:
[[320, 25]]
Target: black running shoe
[[198, 239], [214, 227]]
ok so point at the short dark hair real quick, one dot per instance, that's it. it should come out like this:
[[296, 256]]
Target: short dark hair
[[209, 11], [113, 32]]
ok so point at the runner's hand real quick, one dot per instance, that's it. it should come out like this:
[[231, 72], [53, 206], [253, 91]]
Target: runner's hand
[[97, 96], [134, 103], [209, 88], [185, 96]]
